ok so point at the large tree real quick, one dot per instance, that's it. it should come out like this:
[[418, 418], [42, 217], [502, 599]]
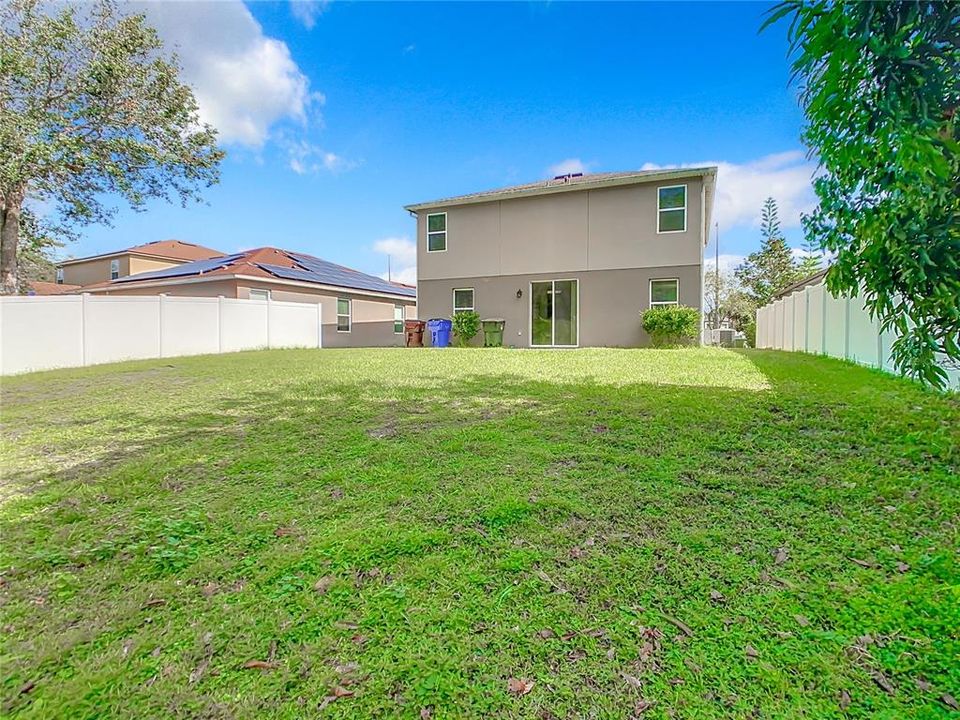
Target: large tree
[[880, 86], [771, 268], [91, 109]]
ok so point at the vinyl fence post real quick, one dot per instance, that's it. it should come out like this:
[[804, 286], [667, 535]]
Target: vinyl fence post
[[846, 328], [319, 324], [823, 321], [269, 311], [162, 300], [83, 329], [219, 324]]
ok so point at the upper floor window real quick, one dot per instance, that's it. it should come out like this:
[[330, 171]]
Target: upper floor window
[[672, 209], [437, 232], [256, 294], [59, 276], [114, 269], [343, 314], [398, 318], [664, 292], [462, 300]]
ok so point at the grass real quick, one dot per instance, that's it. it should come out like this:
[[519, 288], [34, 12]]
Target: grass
[[694, 533]]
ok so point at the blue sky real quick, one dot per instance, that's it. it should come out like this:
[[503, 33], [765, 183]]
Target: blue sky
[[335, 115]]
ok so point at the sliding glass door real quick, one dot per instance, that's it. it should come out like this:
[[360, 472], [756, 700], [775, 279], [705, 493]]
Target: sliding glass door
[[553, 313]]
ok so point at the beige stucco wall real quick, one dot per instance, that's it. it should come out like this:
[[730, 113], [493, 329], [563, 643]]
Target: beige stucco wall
[[94, 271], [214, 288], [610, 301], [142, 264], [574, 231]]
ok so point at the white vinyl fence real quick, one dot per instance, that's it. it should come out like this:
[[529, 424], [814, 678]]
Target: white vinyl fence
[[812, 320], [39, 333]]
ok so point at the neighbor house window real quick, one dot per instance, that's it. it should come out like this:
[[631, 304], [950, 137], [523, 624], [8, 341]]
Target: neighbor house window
[[437, 232], [398, 318], [462, 300], [343, 314], [672, 209], [114, 269], [59, 276], [664, 292], [259, 294]]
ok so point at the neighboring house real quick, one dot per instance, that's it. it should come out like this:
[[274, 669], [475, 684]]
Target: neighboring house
[[571, 261], [140, 258], [42, 287], [359, 310]]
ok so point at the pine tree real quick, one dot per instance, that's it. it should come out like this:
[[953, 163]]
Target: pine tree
[[812, 260], [772, 268]]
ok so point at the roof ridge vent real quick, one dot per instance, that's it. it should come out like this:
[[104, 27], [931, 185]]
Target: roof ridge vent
[[567, 177]]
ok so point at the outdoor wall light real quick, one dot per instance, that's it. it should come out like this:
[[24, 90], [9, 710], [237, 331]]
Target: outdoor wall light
[[519, 294]]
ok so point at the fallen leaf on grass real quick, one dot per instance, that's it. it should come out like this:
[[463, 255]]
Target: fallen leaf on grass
[[519, 687], [576, 655], [547, 634], [632, 681], [210, 589], [426, 713], [903, 567], [844, 700], [643, 705], [717, 596], [681, 626], [882, 682], [156, 602], [324, 584], [198, 671], [692, 666], [600, 429], [751, 652], [861, 563], [950, 701], [259, 665], [923, 685], [341, 692], [780, 556], [26, 687], [336, 493], [802, 620], [285, 531]]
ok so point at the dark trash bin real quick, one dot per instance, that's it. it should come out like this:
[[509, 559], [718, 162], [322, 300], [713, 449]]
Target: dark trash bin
[[414, 331], [493, 332], [439, 331]]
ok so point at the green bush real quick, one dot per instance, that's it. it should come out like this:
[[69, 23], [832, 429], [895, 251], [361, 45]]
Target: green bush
[[671, 325], [750, 330], [466, 324]]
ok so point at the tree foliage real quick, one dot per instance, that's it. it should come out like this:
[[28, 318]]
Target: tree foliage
[[733, 305], [880, 87], [771, 268], [91, 107]]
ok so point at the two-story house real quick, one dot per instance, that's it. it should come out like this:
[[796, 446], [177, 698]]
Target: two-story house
[[157, 255], [567, 262]]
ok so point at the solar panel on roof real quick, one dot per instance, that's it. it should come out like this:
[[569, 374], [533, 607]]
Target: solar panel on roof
[[191, 268], [321, 271]]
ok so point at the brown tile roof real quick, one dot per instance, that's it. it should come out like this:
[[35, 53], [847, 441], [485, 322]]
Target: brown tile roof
[[166, 249], [41, 287]]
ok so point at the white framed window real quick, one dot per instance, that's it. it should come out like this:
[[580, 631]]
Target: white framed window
[[114, 269], [257, 294], [672, 209], [664, 292], [462, 300], [59, 276], [437, 232], [398, 319], [344, 310]]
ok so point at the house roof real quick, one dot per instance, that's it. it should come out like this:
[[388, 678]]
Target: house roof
[[269, 264], [814, 279], [41, 287], [166, 249], [571, 182]]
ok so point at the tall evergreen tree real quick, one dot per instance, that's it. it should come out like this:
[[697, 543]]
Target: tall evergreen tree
[[812, 260], [772, 268]]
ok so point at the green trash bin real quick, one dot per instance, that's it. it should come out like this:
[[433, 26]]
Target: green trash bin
[[493, 332]]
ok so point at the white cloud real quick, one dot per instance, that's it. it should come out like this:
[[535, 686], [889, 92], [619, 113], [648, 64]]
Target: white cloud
[[403, 258], [305, 157], [243, 80], [742, 188], [567, 167], [307, 11]]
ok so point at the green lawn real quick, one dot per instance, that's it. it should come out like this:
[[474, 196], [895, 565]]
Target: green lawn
[[394, 533]]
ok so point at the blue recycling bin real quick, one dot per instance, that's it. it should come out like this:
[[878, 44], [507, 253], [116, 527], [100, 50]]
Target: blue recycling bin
[[439, 331]]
